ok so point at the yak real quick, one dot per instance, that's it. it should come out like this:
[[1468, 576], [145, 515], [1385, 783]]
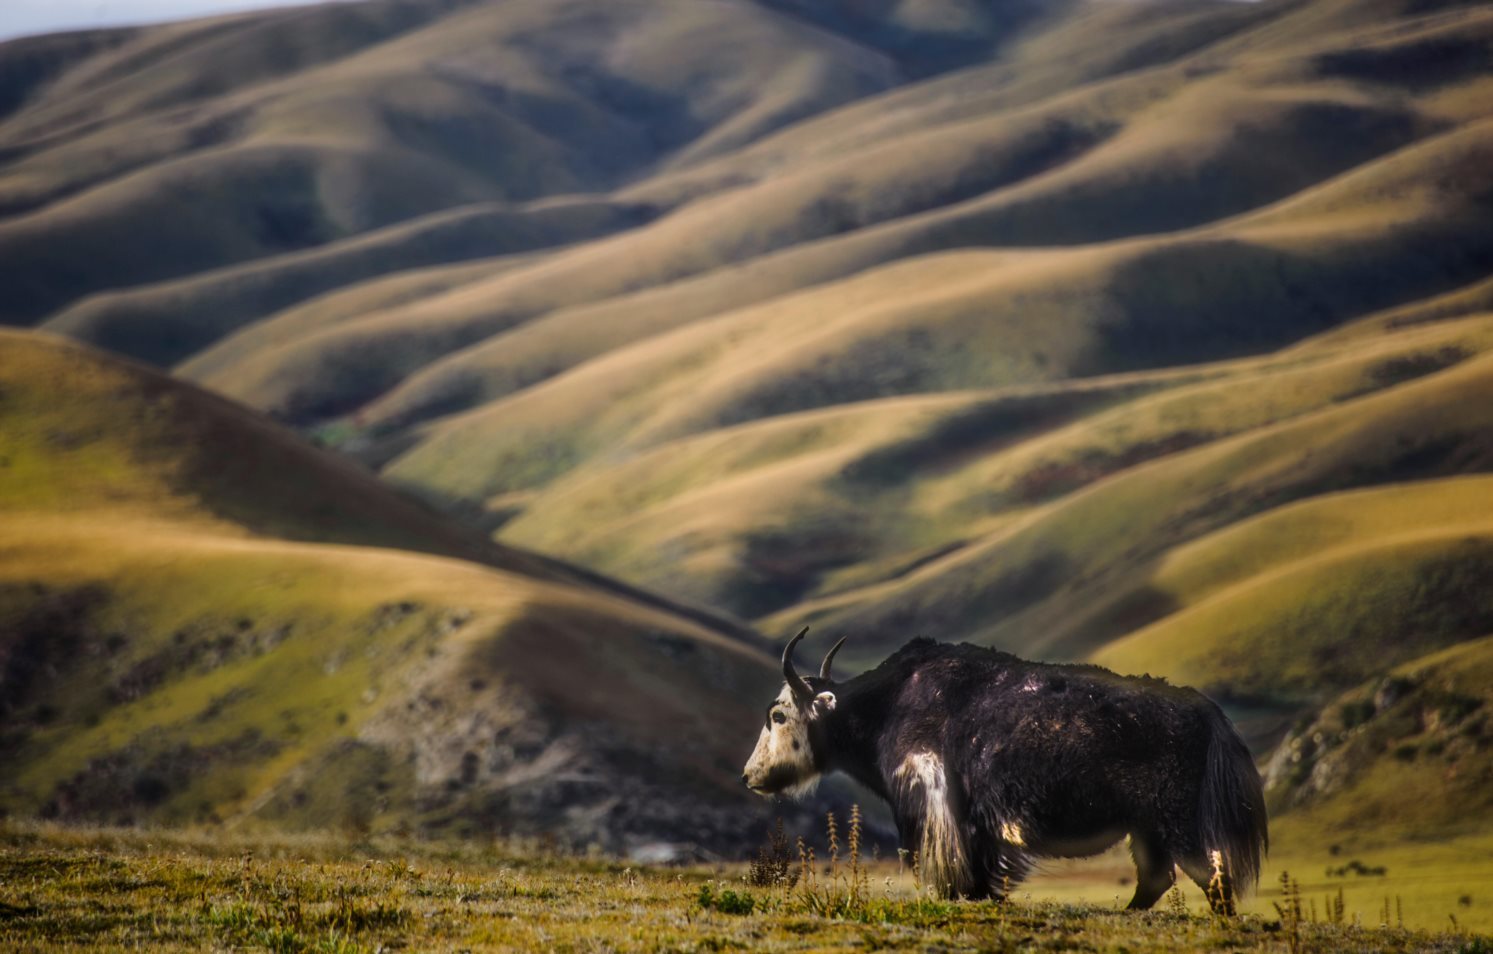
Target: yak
[[990, 762]]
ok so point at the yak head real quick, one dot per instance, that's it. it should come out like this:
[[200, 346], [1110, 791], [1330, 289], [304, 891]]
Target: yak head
[[790, 751]]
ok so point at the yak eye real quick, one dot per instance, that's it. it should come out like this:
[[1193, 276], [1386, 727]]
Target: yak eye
[[778, 717]]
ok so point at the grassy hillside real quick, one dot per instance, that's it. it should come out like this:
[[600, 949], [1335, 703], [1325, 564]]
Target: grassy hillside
[[133, 321], [296, 127], [1365, 760], [202, 619], [1156, 333]]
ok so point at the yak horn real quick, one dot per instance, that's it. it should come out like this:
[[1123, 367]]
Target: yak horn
[[829, 659], [801, 690]]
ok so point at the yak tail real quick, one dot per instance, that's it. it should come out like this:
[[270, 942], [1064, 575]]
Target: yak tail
[[1231, 815]]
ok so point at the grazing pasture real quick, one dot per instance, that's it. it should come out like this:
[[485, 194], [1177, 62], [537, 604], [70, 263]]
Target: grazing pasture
[[584, 346], [106, 889]]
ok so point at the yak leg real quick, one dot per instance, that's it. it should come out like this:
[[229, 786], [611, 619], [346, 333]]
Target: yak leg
[[1154, 871], [1212, 876], [1007, 869], [926, 805]]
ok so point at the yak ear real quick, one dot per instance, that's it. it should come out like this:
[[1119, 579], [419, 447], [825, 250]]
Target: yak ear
[[824, 702]]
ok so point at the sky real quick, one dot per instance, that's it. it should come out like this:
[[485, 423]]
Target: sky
[[23, 17]]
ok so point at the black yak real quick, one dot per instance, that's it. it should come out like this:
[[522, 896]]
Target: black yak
[[990, 761]]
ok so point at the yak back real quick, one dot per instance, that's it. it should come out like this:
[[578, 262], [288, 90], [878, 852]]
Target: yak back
[[1038, 731]]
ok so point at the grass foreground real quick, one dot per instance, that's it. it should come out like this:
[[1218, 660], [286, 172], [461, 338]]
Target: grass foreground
[[102, 889]]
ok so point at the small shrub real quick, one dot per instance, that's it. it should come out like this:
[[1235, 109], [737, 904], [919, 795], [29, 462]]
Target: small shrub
[[1175, 902], [774, 862], [1356, 867], [1354, 714], [726, 901], [1453, 707]]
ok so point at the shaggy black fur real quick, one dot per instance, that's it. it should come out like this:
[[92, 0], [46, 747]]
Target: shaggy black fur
[[1067, 758]]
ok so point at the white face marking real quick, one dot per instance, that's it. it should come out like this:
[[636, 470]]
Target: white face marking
[[942, 860], [782, 761]]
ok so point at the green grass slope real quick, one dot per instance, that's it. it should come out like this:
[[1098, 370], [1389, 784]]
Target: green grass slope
[[373, 114], [203, 619], [915, 505], [1083, 522], [1362, 764], [167, 321], [1091, 310], [1153, 148], [1154, 333]]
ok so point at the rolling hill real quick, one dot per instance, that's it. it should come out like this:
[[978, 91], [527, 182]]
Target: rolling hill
[[204, 619], [1364, 763], [1156, 333]]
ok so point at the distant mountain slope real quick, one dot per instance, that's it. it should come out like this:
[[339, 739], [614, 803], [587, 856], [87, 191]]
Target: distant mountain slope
[[243, 137], [1369, 761], [201, 618], [1157, 332]]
